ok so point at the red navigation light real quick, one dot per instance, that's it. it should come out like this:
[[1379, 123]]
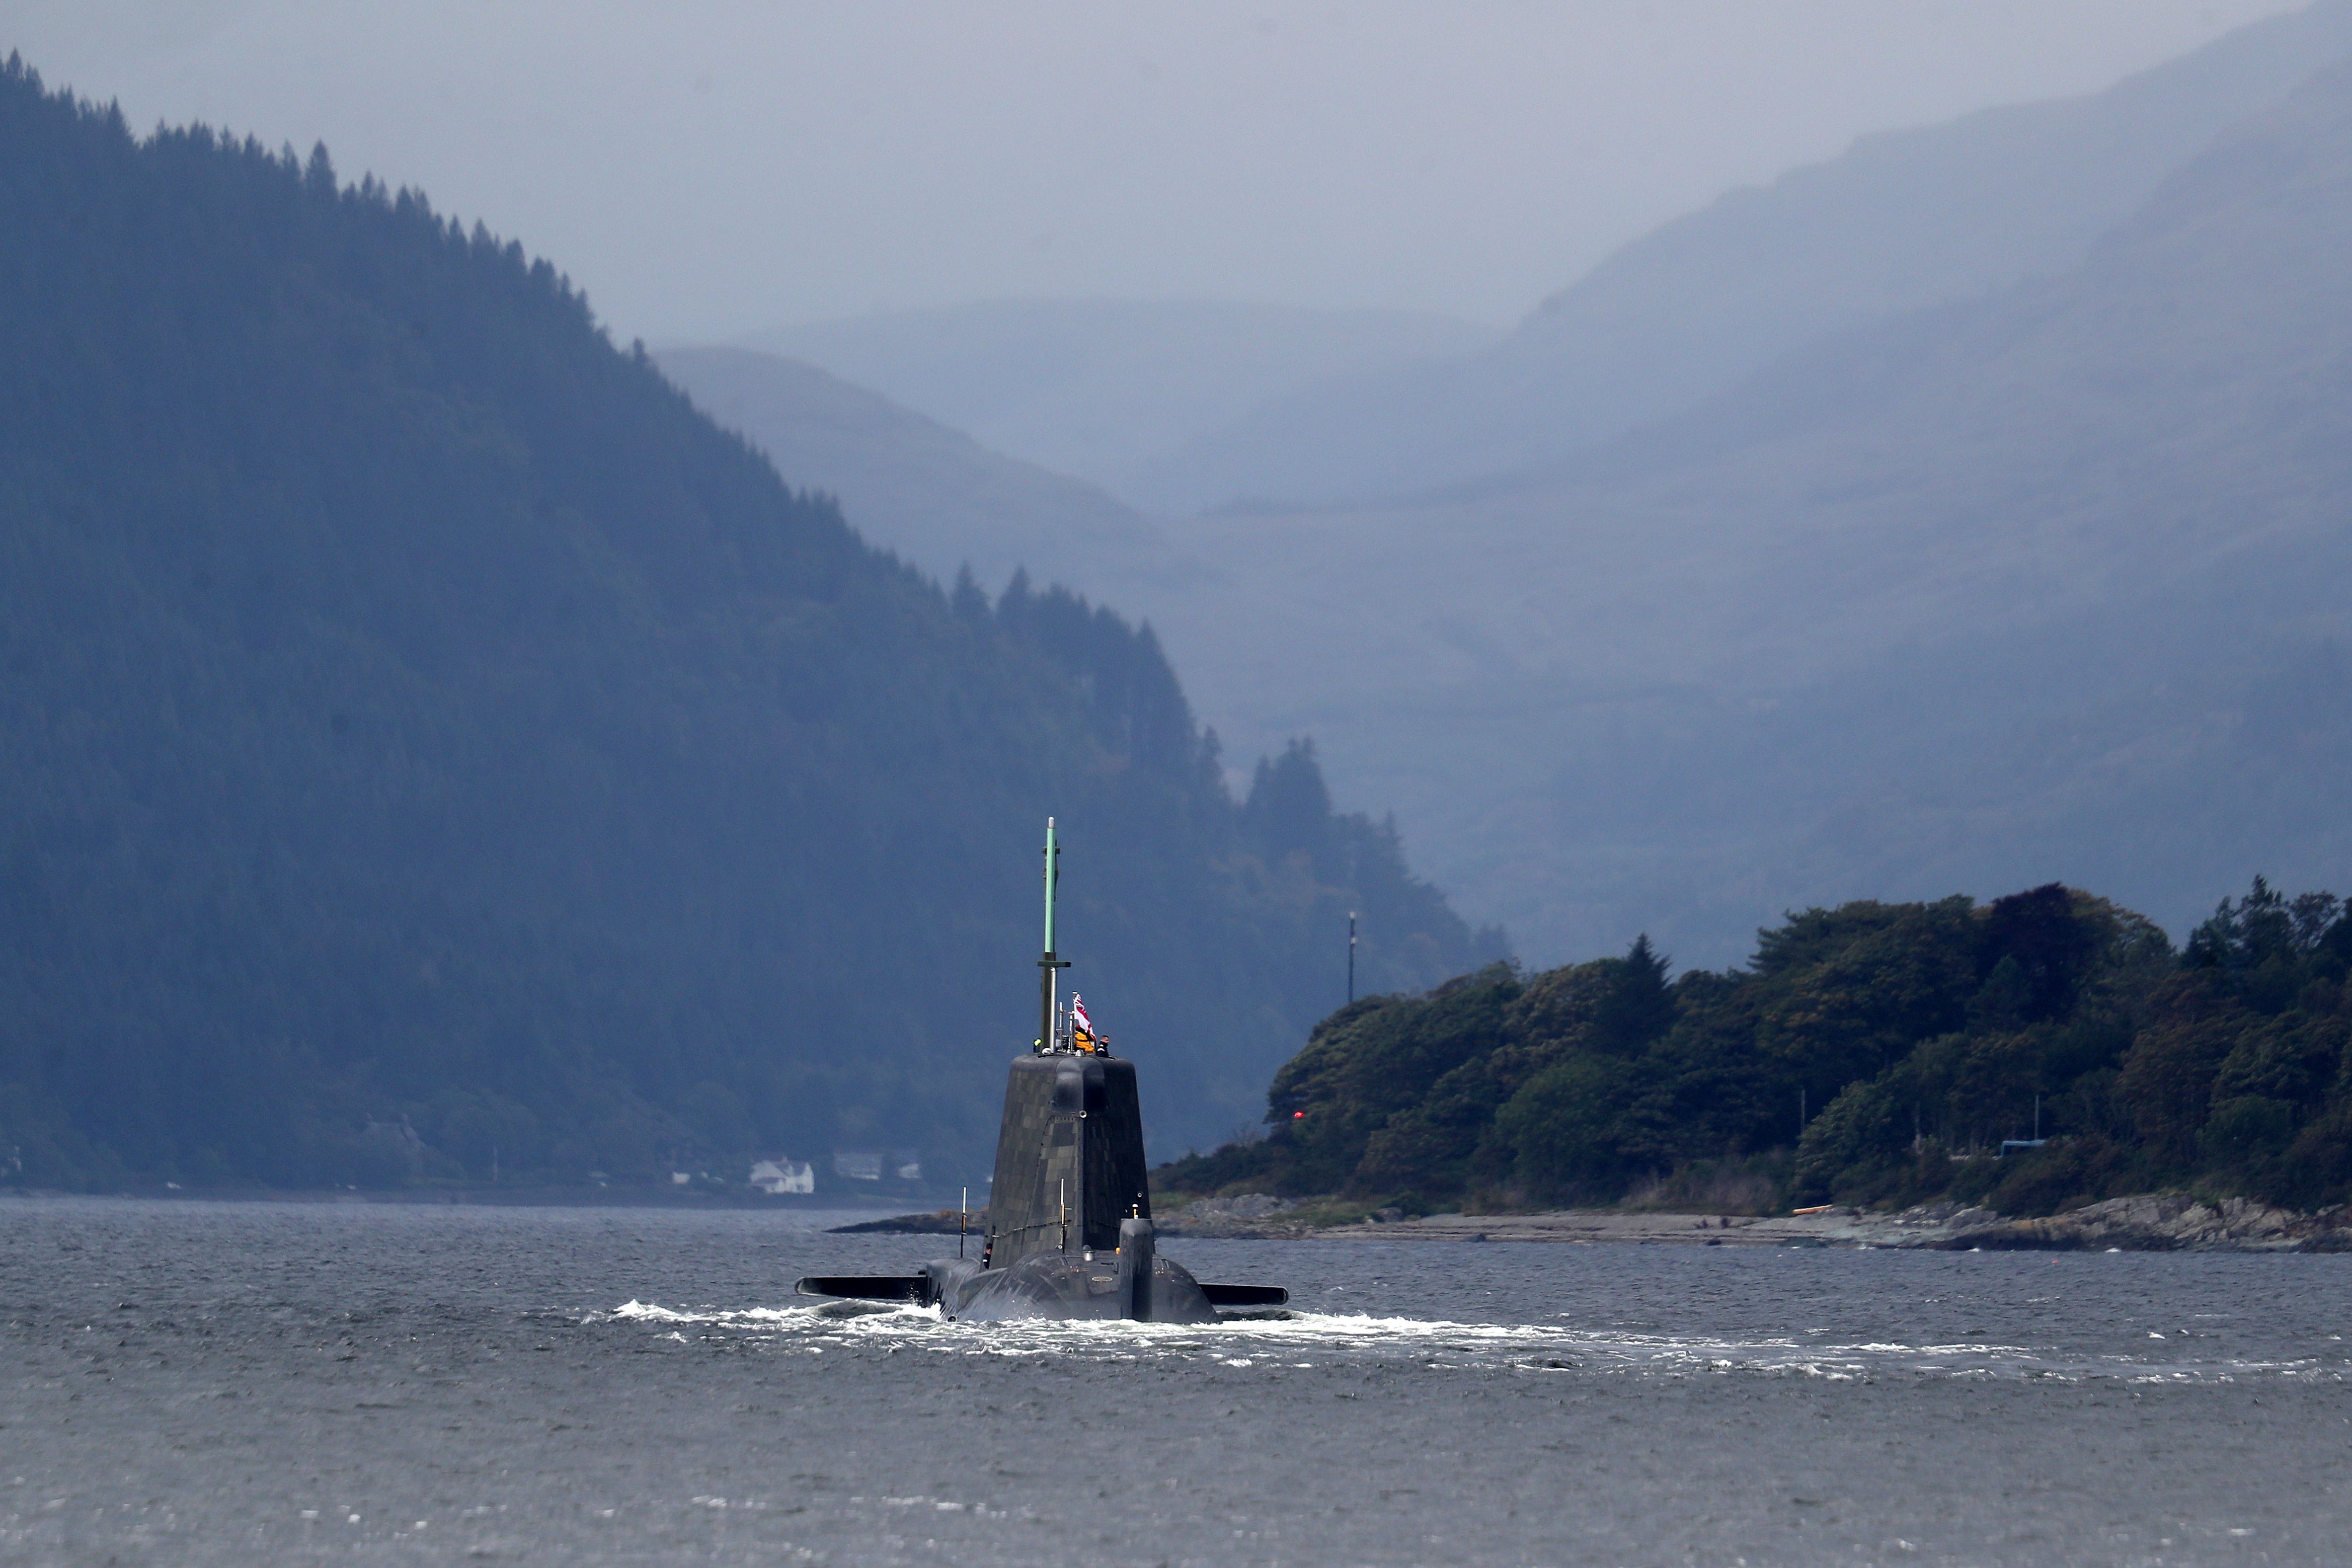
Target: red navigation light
[[1298, 1116]]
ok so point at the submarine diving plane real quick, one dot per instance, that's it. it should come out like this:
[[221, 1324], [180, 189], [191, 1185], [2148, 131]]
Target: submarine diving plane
[[1069, 1214]]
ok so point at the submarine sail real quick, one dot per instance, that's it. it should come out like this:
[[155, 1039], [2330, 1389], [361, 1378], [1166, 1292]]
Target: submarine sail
[[1069, 1213]]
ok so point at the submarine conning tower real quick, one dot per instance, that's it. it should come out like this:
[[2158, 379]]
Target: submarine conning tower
[[1069, 1157], [1069, 1210], [1069, 1154]]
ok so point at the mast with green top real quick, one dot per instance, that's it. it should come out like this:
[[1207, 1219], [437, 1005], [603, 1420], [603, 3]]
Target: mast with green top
[[1048, 980]]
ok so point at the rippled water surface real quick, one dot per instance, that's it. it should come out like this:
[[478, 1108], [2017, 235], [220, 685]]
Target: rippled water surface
[[196, 1383]]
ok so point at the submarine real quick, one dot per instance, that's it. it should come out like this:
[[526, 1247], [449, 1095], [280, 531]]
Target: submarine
[[1069, 1212]]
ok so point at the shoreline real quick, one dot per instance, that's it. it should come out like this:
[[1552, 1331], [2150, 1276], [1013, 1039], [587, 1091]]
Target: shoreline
[[2148, 1222], [535, 1197]]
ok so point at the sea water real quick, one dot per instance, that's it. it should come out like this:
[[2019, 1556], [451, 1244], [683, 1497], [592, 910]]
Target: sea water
[[202, 1382]]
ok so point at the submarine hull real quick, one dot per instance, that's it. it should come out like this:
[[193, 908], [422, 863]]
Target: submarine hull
[[1048, 1285]]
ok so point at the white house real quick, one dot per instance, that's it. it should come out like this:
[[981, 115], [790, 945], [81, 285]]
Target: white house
[[778, 1176]]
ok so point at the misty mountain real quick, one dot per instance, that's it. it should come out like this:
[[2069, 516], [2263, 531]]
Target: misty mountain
[[932, 494], [1108, 389], [435, 747], [1902, 220], [2050, 582]]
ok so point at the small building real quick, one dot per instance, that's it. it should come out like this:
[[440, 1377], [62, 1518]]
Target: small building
[[780, 1176], [858, 1164]]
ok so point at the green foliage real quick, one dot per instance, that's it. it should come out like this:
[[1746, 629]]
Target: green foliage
[[2166, 1080], [417, 715], [1861, 1135], [1379, 1060], [1918, 1037], [1564, 1128], [2064, 1176], [1852, 994]]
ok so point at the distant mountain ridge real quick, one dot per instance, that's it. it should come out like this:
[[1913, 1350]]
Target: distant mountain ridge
[[933, 495], [2039, 581], [1105, 389], [1905, 219], [1976, 595]]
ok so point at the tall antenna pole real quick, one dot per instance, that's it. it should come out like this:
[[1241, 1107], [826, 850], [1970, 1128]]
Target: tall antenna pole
[[1352, 955], [1047, 965]]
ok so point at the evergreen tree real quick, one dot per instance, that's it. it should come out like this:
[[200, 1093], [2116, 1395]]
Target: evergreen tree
[[431, 745], [1918, 1037]]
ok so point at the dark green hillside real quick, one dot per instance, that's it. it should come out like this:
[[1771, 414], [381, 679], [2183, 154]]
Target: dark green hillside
[[1906, 1040], [413, 710]]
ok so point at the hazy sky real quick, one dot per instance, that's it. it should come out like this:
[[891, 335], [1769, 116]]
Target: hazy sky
[[712, 168]]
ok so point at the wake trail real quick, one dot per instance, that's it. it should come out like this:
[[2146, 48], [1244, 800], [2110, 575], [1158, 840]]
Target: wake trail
[[1299, 1340]]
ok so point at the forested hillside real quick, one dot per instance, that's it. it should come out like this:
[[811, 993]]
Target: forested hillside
[[431, 745], [1873, 1053]]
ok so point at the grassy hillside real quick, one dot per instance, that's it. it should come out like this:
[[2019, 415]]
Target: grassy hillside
[[430, 742], [1873, 1053]]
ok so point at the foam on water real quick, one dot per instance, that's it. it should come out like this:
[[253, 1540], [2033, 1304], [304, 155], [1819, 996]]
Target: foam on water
[[1276, 1343]]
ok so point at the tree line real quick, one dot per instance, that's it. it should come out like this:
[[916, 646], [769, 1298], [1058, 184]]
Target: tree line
[[1874, 1052], [430, 746]]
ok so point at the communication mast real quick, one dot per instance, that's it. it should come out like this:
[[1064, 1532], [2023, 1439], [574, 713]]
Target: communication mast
[[1048, 980]]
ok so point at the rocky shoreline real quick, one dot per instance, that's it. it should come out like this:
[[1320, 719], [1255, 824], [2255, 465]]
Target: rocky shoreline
[[2145, 1223]]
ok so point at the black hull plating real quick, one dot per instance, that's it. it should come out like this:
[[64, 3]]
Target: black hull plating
[[1047, 1285]]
